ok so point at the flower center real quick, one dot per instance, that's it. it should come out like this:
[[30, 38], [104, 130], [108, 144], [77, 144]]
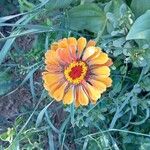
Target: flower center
[[76, 72]]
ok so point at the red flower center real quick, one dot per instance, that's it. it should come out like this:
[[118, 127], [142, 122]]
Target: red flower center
[[76, 72]]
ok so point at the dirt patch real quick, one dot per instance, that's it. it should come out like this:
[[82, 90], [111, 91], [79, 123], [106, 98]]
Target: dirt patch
[[25, 43], [10, 105]]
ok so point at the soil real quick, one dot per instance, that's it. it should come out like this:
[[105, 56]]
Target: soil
[[25, 43], [10, 105]]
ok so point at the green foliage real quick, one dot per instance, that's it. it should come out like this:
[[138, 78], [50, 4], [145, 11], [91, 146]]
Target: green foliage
[[8, 136], [87, 16], [146, 84], [120, 120], [5, 82], [56, 4], [139, 7], [141, 28], [139, 57], [25, 5]]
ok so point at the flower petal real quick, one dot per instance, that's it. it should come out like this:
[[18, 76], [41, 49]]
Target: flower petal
[[81, 96], [93, 102], [109, 62], [89, 52], [50, 79], [63, 51], [64, 55], [63, 43], [73, 50], [92, 91], [107, 81], [81, 45], [77, 104], [53, 68], [54, 46], [99, 85], [51, 57], [101, 59], [52, 82], [69, 96], [91, 43], [101, 72], [72, 41], [51, 88], [59, 92]]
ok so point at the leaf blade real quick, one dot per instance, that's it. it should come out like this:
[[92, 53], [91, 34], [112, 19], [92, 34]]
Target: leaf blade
[[87, 16], [140, 29]]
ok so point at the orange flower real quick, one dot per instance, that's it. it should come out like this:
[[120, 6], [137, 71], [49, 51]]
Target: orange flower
[[76, 71]]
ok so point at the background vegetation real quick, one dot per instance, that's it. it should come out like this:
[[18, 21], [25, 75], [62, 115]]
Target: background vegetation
[[30, 119]]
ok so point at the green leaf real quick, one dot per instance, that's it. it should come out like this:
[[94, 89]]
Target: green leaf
[[138, 57], [50, 140], [87, 16], [146, 84], [56, 4], [144, 146], [7, 46], [25, 5], [139, 7], [141, 28], [85, 143], [7, 136], [41, 114], [5, 49], [50, 123], [5, 83], [72, 113], [114, 7], [6, 18]]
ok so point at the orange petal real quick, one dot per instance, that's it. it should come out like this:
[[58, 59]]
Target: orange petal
[[69, 96], [53, 68], [81, 45], [93, 102], [50, 79], [72, 41], [81, 96], [73, 50], [99, 49], [90, 59], [107, 81], [46, 86], [101, 72], [52, 82], [92, 91], [64, 55], [77, 104], [91, 43], [99, 85], [109, 62], [54, 46], [51, 88], [89, 52], [63, 43], [51, 57], [59, 92], [101, 59]]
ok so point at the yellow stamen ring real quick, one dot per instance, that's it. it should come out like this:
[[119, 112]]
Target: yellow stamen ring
[[76, 72]]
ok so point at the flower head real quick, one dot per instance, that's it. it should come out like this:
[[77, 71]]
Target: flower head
[[76, 71]]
